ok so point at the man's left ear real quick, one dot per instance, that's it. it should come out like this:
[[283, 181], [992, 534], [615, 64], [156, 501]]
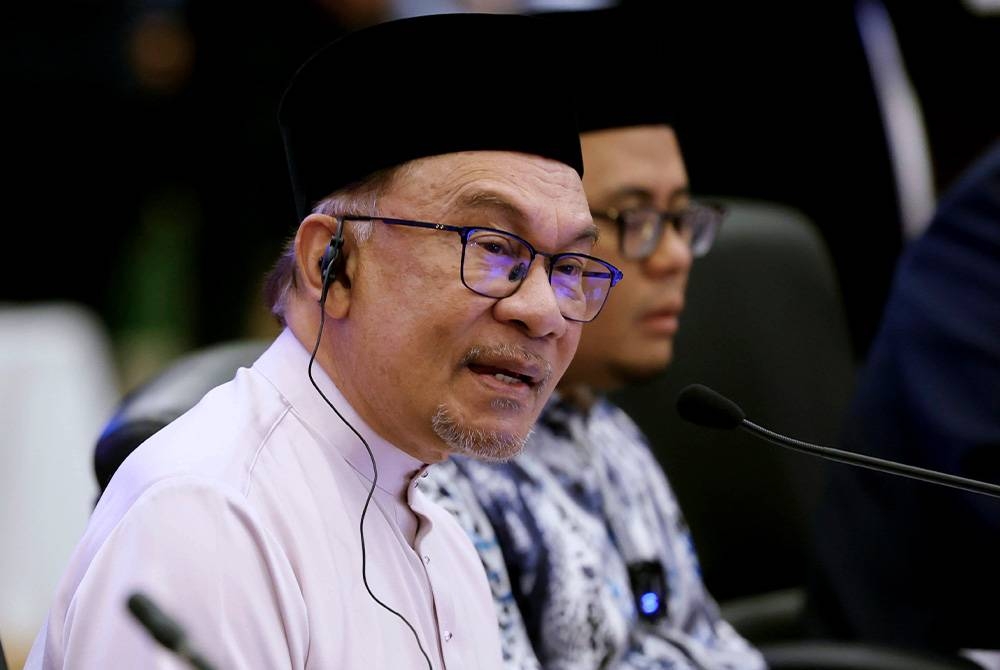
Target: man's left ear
[[338, 296], [332, 261], [325, 263]]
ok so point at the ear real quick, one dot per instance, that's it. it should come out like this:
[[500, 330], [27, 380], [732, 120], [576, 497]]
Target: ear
[[314, 244]]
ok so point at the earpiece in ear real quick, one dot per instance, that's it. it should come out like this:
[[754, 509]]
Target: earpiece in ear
[[330, 262]]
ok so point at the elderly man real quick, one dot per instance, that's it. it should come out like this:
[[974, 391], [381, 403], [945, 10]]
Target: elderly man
[[433, 296], [590, 559]]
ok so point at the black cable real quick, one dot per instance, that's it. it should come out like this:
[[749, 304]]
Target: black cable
[[371, 491]]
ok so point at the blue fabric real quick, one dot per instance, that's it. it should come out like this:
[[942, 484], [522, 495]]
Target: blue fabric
[[906, 562], [556, 529]]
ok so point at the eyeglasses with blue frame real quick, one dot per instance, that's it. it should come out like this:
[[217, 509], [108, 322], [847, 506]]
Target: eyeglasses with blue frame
[[496, 262]]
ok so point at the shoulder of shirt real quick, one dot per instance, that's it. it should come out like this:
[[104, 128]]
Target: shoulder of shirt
[[217, 441]]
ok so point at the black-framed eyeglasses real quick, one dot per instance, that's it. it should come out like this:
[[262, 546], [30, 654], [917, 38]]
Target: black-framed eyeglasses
[[642, 228], [496, 262]]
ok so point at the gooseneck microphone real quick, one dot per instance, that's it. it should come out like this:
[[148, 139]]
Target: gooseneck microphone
[[165, 630], [703, 406]]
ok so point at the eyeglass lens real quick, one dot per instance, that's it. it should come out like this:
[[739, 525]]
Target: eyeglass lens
[[495, 264], [643, 229]]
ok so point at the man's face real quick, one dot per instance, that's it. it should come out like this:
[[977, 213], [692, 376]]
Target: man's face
[[632, 339], [434, 363]]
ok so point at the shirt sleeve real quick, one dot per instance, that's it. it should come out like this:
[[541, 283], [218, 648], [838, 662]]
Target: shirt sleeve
[[199, 554]]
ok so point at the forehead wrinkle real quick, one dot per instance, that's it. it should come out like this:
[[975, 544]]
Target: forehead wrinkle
[[479, 195], [488, 199], [481, 198], [462, 187], [454, 188]]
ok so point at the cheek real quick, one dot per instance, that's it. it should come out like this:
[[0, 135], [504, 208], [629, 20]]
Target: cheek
[[599, 338], [615, 320], [601, 331], [425, 323], [400, 291], [568, 345]]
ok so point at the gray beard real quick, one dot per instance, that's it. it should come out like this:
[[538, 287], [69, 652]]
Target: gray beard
[[494, 446]]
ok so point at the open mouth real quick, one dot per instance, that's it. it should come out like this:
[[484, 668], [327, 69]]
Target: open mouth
[[503, 374], [509, 364]]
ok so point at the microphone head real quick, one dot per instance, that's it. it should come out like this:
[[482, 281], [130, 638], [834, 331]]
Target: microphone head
[[701, 405], [153, 619]]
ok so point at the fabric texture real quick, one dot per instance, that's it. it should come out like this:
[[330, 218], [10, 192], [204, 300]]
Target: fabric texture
[[557, 529], [928, 396]]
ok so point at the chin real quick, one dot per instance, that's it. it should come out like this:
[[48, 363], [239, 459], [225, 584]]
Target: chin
[[636, 372], [496, 443]]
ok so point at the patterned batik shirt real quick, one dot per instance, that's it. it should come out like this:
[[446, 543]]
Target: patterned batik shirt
[[557, 529]]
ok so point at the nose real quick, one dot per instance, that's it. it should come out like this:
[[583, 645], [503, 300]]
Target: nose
[[533, 308], [672, 255]]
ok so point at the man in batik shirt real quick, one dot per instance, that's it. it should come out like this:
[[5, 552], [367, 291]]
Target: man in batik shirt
[[589, 558]]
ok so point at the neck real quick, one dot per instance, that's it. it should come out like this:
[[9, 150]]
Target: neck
[[304, 322], [580, 395]]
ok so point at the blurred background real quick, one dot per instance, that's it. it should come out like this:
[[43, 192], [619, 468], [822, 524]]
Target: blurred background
[[145, 191]]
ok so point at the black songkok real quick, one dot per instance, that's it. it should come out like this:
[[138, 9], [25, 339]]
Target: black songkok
[[628, 70], [426, 86]]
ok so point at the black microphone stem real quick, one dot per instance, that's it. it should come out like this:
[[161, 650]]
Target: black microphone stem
[[165, 630], [873, 463]]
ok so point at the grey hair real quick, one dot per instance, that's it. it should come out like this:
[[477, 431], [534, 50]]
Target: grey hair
[[361, 198]]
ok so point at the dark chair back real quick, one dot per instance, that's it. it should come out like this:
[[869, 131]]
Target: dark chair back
[[764, 325]]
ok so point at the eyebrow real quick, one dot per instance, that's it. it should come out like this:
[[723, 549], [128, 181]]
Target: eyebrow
[[645, 194], [491, 200], [495, 201]]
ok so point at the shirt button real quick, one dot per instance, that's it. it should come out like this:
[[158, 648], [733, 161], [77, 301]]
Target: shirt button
[[448, 636], [427, 559]]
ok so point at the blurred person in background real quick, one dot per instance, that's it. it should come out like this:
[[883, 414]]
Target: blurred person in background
[[903, 562], [857, 117]]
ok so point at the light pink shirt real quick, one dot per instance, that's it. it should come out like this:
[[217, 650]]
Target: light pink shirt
[[240, 519]]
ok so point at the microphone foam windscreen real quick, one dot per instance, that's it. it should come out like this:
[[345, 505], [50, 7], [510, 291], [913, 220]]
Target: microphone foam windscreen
[[701, 405]]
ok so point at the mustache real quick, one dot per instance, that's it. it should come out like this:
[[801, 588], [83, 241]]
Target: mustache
[[495, 354]]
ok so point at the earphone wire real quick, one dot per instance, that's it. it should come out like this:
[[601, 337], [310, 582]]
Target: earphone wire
[[371, 490]]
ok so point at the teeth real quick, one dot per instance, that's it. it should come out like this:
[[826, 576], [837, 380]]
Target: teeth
[[506, 378]]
